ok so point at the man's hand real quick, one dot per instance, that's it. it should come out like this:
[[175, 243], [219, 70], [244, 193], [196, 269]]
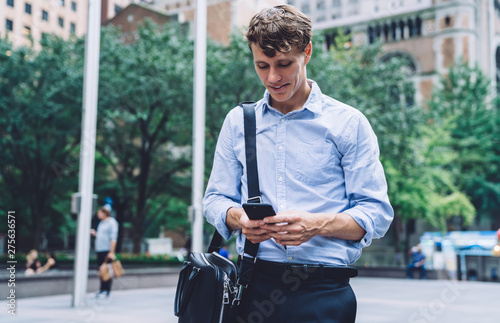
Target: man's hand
[[111, 255], [93, 232], [238, 219], [293, 228]]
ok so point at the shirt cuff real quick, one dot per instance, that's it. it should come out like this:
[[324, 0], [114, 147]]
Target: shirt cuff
[[364, 222], [221, 225]]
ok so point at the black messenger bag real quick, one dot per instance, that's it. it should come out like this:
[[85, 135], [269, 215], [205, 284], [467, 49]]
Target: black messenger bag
[[206, 289], [210, 286]]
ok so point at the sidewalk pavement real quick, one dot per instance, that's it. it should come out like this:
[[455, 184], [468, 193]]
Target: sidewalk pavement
[[379, 300]]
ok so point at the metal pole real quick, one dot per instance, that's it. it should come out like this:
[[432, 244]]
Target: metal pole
[[87, 152], [492, 52], [200, 71]]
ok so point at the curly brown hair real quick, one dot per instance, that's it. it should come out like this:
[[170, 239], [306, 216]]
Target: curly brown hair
[[279, 29]]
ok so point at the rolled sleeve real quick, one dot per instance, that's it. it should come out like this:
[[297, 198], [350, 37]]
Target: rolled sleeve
[[114, 231], [365, 182], [224, 186]]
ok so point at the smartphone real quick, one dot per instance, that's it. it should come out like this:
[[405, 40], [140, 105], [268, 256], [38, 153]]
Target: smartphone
[[258, 211]]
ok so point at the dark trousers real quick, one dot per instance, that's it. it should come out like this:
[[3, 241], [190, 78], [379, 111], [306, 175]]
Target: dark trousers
[[101, 258], [295, 297], [411, 267]]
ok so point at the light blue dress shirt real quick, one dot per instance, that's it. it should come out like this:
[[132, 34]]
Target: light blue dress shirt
[[107, 231], [323, 158]]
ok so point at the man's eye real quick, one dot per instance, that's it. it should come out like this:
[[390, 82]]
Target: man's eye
[[262, 66], [285, 65]]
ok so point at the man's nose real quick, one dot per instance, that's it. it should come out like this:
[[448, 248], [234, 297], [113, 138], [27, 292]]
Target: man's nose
[[274, 75]]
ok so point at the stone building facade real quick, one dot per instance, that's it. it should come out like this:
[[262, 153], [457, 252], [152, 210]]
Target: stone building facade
[[24, 22], [431, 34], [223, 16]]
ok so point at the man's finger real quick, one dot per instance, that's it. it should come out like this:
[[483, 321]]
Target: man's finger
[[276, 219]]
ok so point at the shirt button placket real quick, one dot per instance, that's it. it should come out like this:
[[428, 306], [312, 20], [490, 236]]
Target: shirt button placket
[[280, 165]]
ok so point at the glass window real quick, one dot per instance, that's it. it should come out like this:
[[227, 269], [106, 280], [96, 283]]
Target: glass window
[[73, 5], [10, 3], [336, 4], [27, 8], [61, 22], [45, 15], [320, 4], [61, 3], [8, 24], [27, 30], [72, 28]]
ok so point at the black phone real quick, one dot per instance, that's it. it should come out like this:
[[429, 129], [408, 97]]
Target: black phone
[[258, 211]]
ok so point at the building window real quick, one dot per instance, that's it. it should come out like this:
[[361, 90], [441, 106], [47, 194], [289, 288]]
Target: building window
[[61, 3], [61, 22], [371, 35], [45, 15], [27, 31], [10, 3], [336, 3], [447, 21], [320, 5], [411, 30], [394, 27], [418, 27], [27, 8], [117, 9], [72, 28], [73, 6], [8, 24]]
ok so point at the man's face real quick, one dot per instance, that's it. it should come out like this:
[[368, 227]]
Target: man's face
[[284, 76], [101, 215]]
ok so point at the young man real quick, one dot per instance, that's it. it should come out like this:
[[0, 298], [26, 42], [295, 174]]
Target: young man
[[319, 168], [105, 245]]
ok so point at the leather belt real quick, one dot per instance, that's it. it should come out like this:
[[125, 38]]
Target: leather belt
[[307, 270]]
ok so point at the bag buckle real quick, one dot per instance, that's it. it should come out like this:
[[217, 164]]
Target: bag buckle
[[255, 199], [237, 299]]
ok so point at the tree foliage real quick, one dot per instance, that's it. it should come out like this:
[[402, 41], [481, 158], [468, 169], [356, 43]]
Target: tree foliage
[[40, 109], [145, 111], [464, 108]]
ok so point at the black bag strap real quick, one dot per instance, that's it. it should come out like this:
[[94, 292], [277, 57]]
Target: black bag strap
[[246, 265], [252, 175], [251, 152], [183, 294], [251, 160]]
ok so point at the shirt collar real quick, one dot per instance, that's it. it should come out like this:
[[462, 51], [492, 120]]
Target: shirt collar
[[313, 103]]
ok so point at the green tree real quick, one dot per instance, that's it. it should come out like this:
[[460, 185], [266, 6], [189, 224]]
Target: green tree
[[144, 126], [40, 109], [460, 106]]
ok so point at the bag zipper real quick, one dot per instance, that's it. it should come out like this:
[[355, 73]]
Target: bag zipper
[[226, 279]]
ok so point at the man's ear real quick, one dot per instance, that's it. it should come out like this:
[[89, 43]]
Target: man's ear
[[308, 52]]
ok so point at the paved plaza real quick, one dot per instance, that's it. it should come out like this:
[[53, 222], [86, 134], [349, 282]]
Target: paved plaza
[[379, 300]]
